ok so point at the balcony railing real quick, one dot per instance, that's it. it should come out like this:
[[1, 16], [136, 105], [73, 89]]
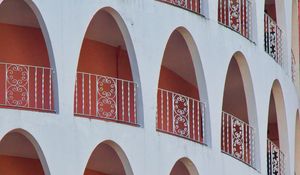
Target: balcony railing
[[275, 158], [180, 115], [273, 40], [237, 15], [191, 5], [25, 86], [103, 97], [238, 139]]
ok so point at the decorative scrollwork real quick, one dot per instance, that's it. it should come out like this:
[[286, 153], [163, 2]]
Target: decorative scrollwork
[[106, 97], [234, 15], [273, 39], [237, 138], [181, 116], [17, 80], [181, 3]]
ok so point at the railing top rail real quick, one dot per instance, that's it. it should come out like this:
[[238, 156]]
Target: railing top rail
[[200, 101], [42, 67], [87, 73], [236, 118]]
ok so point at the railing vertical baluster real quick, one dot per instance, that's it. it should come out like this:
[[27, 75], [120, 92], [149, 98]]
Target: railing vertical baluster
[[90, 95], [134, 103], [162, 109], [28, 86], [193, 119], [35, 87], [6, 79], [123, 103], [128, 101], [227, 133], [82, 95], [97, 98], [76, 94], [246, 144], [223, 131], [198, 119], [43, 88], [50, 89], [168, 113]]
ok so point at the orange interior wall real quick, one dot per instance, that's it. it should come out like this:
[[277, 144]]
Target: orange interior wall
[[102, 59], [92, 172], [271, 11], [23, 45], [169, 80], [20, 166]]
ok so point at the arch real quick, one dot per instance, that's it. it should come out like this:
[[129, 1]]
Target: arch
[[184, 166], [113, 155], [115, 43], [181, 78], [295, 42], [24, 154], [17, 27], [277, 131], [240, 113]]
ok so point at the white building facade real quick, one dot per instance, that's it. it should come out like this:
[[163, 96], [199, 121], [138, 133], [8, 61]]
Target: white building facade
[[207, 88]]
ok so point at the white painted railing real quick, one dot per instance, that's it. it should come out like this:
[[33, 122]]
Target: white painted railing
[[238, 139], [275, 158], [103, 97], [26, 86], [237, 15], [180, 115], [274, 41], [191, 5]]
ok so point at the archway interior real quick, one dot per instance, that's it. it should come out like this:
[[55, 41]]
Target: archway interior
[[179, 169], [270, 9], [178, 91], [23, 57], [234, 99], [104, 85], [273, 133], [18, 156], [237, 137], [104, 161]]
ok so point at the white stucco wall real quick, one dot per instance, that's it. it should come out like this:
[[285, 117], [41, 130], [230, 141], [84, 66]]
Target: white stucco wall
[[67, 141]]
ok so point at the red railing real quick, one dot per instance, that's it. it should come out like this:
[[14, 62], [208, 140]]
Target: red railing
[[275, 159], [237, 139], [191, 5], [27, 87], [273, 40], [237, 15], [180, 115], [103, 97]]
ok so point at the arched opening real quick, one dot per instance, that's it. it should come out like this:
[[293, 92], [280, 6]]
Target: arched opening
[[105, 86], [180, 111], [297, 144], [237, 15], [277, 133], [184, 167], [108, 158], [25, 71], [238, 137], [18, 155], [273, 34]]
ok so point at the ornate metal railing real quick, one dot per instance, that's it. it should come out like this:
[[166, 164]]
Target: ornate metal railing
[[191, 5], [238, 139], [26, 86], [237, 15], [103, 97], [273, 40], [275, 158], [293, 66], [180, 115]]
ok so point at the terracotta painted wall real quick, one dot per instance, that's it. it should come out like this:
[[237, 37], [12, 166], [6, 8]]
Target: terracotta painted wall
[[91, 172], [271, 11], [23, 45], [103, 59], [169, 80], [20, 166]]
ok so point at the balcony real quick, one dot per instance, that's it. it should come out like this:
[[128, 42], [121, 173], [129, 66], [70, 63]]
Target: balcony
[[273, 40], [236, 15], [180, 115], [238, 139], [25, 86], [275, 159], [190, 5], [103, 97]]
